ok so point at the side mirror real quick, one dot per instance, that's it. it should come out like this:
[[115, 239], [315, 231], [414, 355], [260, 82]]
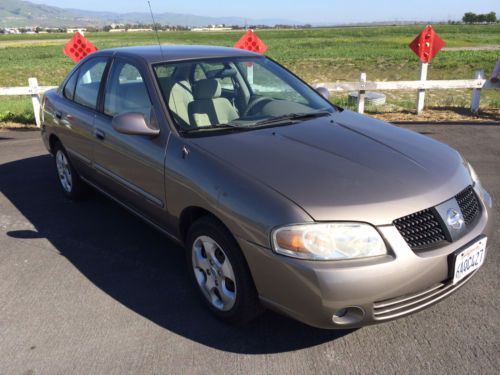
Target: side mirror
[[323, 91], [133, 123]]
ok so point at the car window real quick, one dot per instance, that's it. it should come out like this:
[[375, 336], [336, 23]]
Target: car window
[[265, 83], [235, 92], [126, 91], [215, 70], [69, 88], [199, 73], [165, 71], [89, 80]]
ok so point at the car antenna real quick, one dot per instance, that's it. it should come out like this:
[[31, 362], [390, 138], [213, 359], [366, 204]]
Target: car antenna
[[155, 28]]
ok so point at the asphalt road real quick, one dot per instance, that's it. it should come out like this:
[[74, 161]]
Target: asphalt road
[[88, 288]]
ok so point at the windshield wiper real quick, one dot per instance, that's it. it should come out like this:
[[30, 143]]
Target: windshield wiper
[[290, 117], [210, 127]]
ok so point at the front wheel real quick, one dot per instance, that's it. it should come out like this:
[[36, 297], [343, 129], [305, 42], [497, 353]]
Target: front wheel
[[72, 186], [220, 272]]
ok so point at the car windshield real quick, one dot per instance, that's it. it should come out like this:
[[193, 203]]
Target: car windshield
[[236, 94]]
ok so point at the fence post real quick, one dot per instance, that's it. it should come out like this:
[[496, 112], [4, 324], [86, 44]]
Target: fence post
[[361, 93], [35, 99], [421, 92], [476, 93]]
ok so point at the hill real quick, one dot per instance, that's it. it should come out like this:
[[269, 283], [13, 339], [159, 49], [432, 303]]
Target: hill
[[17, 13]]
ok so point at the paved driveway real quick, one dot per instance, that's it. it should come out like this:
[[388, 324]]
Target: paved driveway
[[88, 288]]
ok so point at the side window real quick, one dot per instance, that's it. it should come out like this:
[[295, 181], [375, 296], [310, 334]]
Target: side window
[[69, 88], [89, 80], [227, 83], [199, 73], [126, 91]]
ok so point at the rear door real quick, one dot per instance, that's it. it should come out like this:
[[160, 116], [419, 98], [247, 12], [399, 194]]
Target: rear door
[[76, 111], [131, 167]]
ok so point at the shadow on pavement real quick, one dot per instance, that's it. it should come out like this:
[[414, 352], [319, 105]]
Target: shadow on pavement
[[135, 265]]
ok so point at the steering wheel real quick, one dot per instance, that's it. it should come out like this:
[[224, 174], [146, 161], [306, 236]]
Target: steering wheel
[[253, 104]]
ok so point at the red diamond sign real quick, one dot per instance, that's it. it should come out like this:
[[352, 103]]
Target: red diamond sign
[[427, 44], [78, 47], [251, 42]]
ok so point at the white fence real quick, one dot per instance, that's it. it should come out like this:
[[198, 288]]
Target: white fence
[[476, 84], [33, 90]]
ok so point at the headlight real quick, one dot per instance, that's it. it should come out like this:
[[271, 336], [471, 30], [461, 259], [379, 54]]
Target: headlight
[[474, 176], [476, 184], [328, 241]]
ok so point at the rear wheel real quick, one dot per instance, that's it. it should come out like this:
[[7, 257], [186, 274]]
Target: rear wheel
[[220, 272], [71, 184]]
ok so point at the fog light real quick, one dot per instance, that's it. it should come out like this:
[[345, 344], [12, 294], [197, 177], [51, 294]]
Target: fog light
[[340, 313], [348, 316]]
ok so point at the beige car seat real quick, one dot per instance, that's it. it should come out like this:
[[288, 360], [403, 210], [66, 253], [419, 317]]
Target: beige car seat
[[208, 107], [179, 92]]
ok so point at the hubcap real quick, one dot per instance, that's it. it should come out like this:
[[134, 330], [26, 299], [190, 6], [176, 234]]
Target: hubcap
[[214, 273], [64, 171]]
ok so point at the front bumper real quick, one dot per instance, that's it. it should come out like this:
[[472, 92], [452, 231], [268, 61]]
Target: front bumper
[[373, 290]]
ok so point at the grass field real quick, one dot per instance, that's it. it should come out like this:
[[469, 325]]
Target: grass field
[[337, 54]]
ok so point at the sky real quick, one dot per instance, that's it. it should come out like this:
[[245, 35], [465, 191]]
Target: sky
[[312, 11]]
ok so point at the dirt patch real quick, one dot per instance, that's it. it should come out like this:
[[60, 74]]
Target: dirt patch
[[490, 47], [17, 126], [442, 115], [25, 43]]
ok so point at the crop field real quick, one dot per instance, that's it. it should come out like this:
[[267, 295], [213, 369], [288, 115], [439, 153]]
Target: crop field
[[317, 55]]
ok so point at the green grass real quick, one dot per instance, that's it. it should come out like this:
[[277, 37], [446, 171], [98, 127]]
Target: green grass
[[317, 55], [16, 109]]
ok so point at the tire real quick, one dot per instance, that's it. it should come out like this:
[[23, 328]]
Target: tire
[[69, 180], [220, 273]]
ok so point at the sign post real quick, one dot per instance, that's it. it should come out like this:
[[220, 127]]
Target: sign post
[[426, 45], [421, 92]]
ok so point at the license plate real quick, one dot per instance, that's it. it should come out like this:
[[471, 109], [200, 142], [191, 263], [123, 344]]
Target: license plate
[[469, 260]]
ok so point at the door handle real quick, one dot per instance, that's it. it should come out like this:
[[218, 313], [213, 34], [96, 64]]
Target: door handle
[[99, 134], [58, 114]]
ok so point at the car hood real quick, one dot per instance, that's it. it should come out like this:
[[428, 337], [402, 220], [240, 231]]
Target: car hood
[[346, 166]]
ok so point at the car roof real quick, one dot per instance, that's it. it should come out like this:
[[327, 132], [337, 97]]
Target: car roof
[[154, 53]]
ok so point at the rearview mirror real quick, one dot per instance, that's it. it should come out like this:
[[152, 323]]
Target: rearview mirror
[[323, 91], [133, 123]]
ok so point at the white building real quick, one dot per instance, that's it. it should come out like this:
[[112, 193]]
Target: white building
[[74, 30]]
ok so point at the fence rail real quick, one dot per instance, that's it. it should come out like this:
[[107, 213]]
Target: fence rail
[[476, 84], [33, 90]]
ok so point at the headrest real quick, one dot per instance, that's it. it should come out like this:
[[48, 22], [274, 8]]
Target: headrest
[[207, 89]]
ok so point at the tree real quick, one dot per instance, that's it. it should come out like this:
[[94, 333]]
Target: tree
[[469, 17], [491, 17]]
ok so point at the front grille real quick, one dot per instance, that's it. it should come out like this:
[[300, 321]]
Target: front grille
[[407, 304], [469, 204], [421, 229], [425, 230]]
